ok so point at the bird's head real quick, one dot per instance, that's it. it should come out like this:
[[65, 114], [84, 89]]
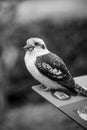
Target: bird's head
[[35, 45]]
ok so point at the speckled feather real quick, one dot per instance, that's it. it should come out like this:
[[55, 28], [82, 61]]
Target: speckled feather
[[54, 68]]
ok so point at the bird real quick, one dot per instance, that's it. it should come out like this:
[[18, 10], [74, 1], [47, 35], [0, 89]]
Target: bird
[[48, 68]]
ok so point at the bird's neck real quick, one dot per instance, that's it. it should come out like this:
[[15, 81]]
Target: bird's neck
[[39, 53]]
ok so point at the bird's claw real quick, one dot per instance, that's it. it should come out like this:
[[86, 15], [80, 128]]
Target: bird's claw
[[43, 88]]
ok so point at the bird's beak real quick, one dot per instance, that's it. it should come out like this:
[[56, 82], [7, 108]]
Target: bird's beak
[[28, 47], [25, 47]]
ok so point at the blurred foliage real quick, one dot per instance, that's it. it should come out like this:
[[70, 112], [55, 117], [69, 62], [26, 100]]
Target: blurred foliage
[[38, 117], [67, 39]]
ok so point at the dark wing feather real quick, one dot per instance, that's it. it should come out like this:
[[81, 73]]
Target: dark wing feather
[[54, 68]]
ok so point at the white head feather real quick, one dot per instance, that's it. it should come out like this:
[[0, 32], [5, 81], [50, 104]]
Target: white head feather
[[35, 46]]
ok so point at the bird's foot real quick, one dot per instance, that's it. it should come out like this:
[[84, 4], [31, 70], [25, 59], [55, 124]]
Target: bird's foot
[[44, 88], [64, 90]]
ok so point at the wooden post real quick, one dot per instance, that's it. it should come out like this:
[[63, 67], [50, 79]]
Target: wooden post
[[74, 107]]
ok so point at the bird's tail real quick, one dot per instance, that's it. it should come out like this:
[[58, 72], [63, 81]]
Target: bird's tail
[[81, 90]]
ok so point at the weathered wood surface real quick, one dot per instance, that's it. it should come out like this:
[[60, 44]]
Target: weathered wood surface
[[70, 106]]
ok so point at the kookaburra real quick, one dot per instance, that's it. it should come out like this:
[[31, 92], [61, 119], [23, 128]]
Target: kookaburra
[[48, 68]]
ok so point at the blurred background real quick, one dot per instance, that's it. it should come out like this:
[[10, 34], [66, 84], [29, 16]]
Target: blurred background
[[62, 24]]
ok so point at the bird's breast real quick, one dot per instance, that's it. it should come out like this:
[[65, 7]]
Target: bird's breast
[[31, 67], [30, 64]]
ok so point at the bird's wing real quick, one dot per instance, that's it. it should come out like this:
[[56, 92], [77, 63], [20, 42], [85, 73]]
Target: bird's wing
[[54, 68]]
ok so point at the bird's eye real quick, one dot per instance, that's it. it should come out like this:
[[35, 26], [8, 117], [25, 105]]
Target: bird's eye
[[42, 46], [36, 44]]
